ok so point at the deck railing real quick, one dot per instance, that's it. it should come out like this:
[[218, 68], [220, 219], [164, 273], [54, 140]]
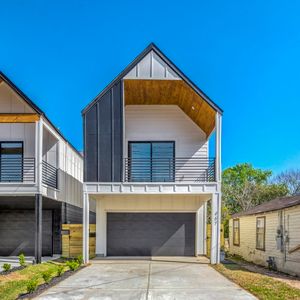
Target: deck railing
[[17, 169], [179, 169], [50, 175]]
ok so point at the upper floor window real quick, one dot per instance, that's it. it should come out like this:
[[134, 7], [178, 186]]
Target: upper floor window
[[151, 161], [11, 161], [236, 232], [260, 233]]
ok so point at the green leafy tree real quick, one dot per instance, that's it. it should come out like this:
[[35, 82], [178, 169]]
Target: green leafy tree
[[245, 187], [291, 179]]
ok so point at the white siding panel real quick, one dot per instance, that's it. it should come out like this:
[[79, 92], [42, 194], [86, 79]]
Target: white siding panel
[[151, 67], [167, 123], [10, 102]]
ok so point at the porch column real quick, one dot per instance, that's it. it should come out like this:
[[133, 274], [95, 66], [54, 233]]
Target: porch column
[[38, 196], [38, 228], [218, 122], [215, 228], [86, 226], [201, 230]]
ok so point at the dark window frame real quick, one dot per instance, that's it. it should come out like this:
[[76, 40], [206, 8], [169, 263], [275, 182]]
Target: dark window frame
[[151, 142], [264, 232], [233, 232], [22, 166]]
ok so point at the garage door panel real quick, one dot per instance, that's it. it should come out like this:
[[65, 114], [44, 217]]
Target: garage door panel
[[148, 234], [17, 232]]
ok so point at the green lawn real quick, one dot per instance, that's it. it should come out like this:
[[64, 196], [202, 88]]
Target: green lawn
[[262, 286], [15, 283]]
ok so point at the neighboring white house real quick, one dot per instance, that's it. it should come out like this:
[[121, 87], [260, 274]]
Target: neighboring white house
[[40, 178], [269, 234], [147, 163]]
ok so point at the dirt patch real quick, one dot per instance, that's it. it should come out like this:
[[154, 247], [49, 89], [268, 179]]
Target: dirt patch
[[293, 281]]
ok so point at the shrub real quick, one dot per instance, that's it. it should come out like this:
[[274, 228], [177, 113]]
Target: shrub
[[22, 260], [79, 260], [6, 267], [46, 276], [73, 265], [32, 285], [60, 270]]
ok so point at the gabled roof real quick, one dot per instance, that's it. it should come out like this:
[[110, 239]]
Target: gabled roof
[[5, 79], [276, 204], [153, 47]]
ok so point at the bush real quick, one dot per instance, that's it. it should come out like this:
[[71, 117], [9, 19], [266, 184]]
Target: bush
[[6, 267], [32, 285], [72, 264], [22, 260], [79, 260], [60, 270], [46, 276]]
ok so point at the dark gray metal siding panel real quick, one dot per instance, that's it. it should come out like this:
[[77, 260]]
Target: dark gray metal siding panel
[[147, 234], [117, 132], [17, 232], [73, 215], [90, 150], [103, 140]]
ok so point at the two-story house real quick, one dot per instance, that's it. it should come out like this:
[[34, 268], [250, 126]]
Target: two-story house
[[40, 178], [147, 164]]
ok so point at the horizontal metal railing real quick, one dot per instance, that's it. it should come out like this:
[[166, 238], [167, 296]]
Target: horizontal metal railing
[[17, 169], [49, 175], [179, 169]]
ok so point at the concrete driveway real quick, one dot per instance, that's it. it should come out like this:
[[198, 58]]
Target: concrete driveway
[[146, 280]]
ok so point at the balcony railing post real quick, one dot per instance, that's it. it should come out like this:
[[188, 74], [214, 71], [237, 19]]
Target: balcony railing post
[[180, 169]]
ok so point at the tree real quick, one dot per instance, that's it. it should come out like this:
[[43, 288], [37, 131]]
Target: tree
[[245, 187], [291, 179]]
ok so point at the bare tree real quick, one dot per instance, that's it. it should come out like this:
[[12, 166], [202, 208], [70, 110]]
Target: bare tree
[[291, 179]]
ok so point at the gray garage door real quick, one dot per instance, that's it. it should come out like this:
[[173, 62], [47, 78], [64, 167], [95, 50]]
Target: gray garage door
[[148, 234], [17, 232]]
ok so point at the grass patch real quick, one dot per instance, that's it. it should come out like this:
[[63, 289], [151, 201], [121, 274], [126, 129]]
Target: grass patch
[[262, 286], [14, 284]]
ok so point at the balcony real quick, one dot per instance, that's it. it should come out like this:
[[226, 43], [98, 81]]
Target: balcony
[[50, 175], [180, 169], [22, 170], [17, 169]]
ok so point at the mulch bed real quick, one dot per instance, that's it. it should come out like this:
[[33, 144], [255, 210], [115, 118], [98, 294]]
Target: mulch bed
[[43, 287], [12, 270]]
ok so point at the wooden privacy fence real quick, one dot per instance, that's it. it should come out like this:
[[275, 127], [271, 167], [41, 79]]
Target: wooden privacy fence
[[208, 238], [72, 239]]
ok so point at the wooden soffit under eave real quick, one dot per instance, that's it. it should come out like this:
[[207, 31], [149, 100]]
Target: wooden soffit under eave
[[19, 118], [171, 92]]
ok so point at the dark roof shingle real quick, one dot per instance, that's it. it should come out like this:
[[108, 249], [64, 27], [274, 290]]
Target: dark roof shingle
[[276, 204]]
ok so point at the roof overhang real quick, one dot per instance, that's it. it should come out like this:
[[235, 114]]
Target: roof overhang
[[171, 92]]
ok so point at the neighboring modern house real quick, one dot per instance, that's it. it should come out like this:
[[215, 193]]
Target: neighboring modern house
[[269, 234], [147, 164], [40, 178]]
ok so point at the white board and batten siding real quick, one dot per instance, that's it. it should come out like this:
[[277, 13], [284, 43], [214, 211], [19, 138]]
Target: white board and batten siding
[[151, 67], [166, 123], [10, 102], [56, 150], [285, 261]]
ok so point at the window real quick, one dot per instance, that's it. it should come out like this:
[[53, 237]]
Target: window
[[236, 232], [11, 161], [260, 233], [151, 161]]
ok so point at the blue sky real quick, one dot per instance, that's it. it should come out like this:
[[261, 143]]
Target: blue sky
[[243, 54]]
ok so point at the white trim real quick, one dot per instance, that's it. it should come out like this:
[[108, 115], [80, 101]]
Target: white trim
[[150, 188], [215, 228], [85, 229]]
